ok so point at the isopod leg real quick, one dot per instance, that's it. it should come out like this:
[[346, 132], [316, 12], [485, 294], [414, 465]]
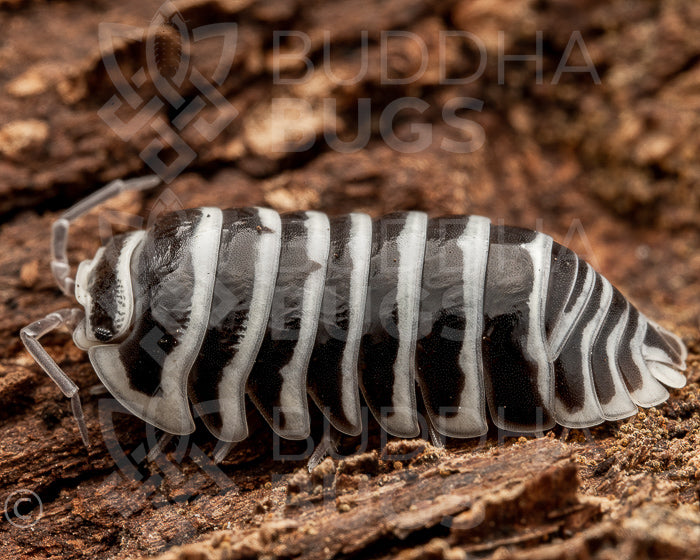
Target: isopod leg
[[435, 437], [223, 448], [60, 266], [157, 449], [30, 336], [329, 443]]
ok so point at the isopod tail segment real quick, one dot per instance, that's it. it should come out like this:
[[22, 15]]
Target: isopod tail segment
[[60, 268], [209, 305]]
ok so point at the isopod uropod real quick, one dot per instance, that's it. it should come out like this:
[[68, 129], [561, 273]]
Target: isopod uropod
[[211, 304]]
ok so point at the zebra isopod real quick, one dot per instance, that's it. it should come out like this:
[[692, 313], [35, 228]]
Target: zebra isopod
[[209, 305]]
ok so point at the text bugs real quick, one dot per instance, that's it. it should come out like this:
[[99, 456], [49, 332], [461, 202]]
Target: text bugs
[[209, 305]]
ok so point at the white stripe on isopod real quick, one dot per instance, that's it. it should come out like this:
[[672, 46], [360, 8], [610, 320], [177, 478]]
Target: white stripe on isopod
[[293, 393], [235, 373]]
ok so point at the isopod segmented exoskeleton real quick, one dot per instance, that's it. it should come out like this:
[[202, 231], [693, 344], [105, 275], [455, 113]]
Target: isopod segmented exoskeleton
[[210, 304]]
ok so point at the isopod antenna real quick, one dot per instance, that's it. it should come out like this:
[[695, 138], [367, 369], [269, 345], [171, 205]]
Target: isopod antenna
[[60, 267], [71, 317]]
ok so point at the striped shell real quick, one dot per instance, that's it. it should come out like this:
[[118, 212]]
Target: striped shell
[[212, 304]]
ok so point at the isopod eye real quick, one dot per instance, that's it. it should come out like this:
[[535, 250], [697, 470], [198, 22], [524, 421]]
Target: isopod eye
[[103, 334], [167, 342]]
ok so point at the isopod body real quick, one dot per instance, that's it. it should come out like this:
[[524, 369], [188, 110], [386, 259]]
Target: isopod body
[[211, 304]]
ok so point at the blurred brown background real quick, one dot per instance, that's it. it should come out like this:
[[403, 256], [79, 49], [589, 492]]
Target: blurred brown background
[[608, 166]]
